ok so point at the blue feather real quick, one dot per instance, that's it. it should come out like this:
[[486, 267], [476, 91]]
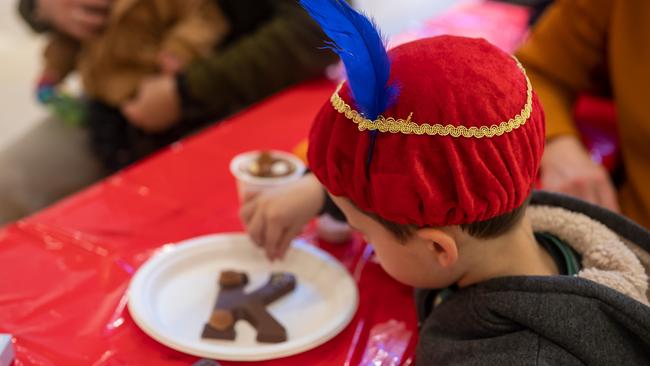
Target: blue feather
[[359, 44]]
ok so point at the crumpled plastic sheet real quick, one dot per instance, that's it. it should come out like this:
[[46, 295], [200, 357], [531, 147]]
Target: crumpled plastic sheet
[[386, 344], [64, 272]]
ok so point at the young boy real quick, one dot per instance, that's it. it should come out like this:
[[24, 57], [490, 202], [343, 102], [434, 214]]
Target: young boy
[[436, 168]]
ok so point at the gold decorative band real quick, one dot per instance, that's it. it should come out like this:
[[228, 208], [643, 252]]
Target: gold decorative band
[[407, 126]]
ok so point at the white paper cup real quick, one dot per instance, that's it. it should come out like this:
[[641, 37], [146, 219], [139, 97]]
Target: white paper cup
[[247, 182]]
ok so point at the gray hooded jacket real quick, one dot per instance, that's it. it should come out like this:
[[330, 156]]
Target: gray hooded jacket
[[599, 317]]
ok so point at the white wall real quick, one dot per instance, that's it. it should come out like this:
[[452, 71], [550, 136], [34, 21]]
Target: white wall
[[19, 65]]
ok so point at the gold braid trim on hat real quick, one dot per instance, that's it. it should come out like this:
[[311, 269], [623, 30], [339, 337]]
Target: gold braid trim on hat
[[407, 126]]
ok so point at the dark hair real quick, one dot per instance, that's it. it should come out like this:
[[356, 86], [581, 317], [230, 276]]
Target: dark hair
[[486, 229]]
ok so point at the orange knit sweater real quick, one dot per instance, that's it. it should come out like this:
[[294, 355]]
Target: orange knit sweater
[[601, 46]]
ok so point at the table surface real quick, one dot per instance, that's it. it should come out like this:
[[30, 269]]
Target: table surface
[[64, 271]]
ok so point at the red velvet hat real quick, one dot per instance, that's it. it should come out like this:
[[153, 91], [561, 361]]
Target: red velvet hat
[[461, 141]]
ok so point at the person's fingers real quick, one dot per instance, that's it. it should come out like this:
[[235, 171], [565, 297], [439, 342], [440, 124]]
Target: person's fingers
[[272, 236], [598, 194], [607, 196], [127, 109], [585, 189], [554, 179], [568, 182], [133, 113], [256, 227], [247, 210], [566, 185], [547, 180], [130, 111], [250, 194], [169, 64], [285, 242]]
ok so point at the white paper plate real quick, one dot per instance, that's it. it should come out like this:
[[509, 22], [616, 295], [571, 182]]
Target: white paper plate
[[172, 296]]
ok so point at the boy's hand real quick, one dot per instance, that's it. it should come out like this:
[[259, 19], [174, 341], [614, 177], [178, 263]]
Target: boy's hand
[[156, 107], [568, 168], [274, 217], [81, 19]]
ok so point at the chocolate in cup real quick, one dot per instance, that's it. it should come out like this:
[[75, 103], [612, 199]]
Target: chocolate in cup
[[259, 170]]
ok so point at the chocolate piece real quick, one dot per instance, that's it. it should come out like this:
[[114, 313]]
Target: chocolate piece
[[210, 332], [269, 330], [268, 166], [232, 279], [265, 164], [221, 319], [279, 284], [233, 304]]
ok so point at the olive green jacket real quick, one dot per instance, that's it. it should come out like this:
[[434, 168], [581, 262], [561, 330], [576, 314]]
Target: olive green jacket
[[272, 44]]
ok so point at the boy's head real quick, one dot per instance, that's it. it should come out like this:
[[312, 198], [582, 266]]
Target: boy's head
[[432, 257], [451, 159]]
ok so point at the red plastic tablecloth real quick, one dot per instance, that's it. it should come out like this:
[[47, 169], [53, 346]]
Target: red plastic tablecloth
[[64, 271]]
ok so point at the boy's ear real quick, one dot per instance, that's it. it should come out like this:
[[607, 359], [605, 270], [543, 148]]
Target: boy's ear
[[441, 244]]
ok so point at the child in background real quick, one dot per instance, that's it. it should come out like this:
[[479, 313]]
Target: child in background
[[431, 151], [141, 39]]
